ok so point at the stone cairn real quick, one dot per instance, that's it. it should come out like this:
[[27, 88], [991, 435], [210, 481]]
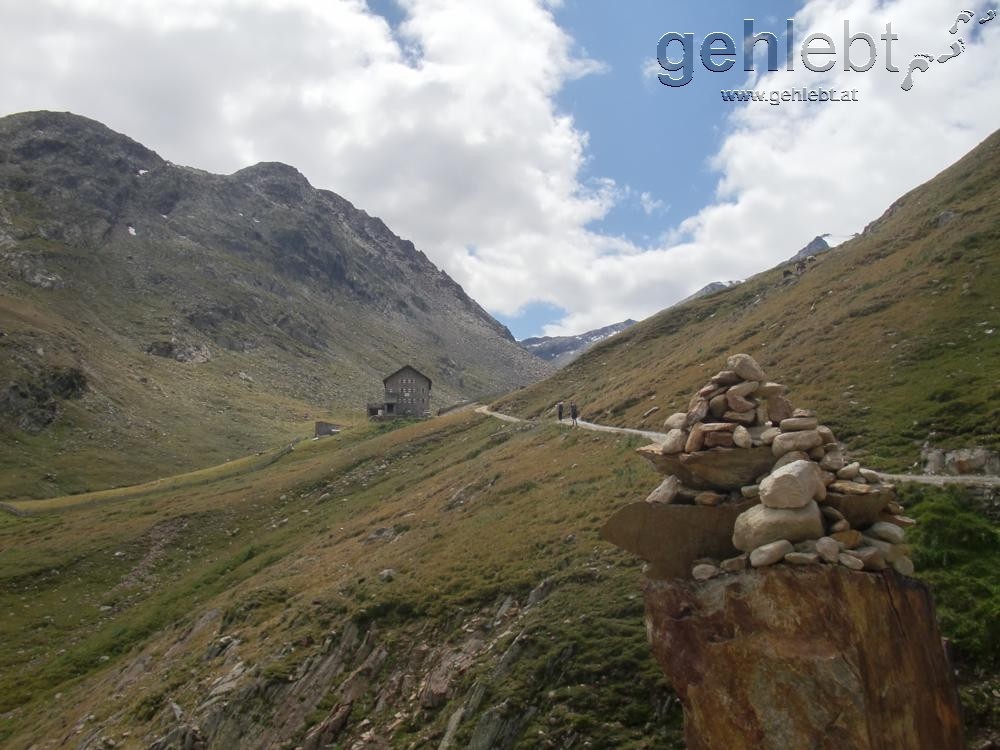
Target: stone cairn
[[742, 443]]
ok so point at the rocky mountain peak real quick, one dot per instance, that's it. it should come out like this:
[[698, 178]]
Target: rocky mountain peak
[[64, 137]]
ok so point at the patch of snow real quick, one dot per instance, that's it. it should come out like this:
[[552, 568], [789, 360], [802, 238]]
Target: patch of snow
[[131, 230], [141, 172]]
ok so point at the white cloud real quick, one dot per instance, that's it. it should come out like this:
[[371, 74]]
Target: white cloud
[[651, 205], [446, 127]]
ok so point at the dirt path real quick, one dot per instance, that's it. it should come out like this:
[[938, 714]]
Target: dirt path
[[967, 480]]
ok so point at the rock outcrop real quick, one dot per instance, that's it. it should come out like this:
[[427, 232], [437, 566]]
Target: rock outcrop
[[801, 627], [805, 657]]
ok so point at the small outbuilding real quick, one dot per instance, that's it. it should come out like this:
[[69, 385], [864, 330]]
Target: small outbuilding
[[407, 393]]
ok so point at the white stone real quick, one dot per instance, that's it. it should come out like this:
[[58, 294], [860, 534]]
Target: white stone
[[704, 572], [850, 561], [850, 471], [786, 442], [792, 486], [675, 421], [887, 532], [828, 549], [746, 367], [666, 493], [761, 525], [903, 565], [675, 442], [769, 554]]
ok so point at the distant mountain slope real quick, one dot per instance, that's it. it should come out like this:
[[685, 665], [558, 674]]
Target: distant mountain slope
[[561, 350], [894, 336], [815, 247], [715, 286], [201, 316]]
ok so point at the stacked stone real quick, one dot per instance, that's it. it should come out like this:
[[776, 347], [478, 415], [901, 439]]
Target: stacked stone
[[734, 409], [809, 506]]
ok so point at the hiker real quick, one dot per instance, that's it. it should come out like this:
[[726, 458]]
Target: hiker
[[573, 412], [559, 411]]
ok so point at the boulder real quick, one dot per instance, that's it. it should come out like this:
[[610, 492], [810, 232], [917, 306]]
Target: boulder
[[676, 441], [718, 406], [717, 469], [779, 408], [738, 403], [719, 440], [848, 539], [761, 525], [792, 486], [805, 440], [741, 437], [726, 377], [768, 435], [828, 549], [833, 460], [887, 532], [735, 564], [742, 417], [769, 554], [850, 561], [790, 458], [797, 424], [813, 656], [697, 412], [675, 421], [850, 471], [859, 510], [903, 565], [743, 389], [745, 367], [802, 558], [768, 390], [704, 572], [695, 439], [870, 557], [666, 492], [709, 499], [672, 537]]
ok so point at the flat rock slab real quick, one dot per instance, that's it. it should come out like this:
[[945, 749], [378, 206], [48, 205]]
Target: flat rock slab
[[861, 510], [716, 469], [671, 537], [811, 656]]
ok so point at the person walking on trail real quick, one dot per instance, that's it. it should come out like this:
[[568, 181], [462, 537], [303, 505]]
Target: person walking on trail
[[573, 413], [559, 411]]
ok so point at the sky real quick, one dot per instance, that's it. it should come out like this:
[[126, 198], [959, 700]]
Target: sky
[[529, 147]]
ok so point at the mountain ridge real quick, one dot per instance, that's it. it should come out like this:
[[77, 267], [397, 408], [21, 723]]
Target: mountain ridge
[[561, 350], [280, 302]]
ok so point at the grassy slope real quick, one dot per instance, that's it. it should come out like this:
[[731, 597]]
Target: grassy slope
[[887, 336], [526, 505], [481, 511], [303, 302]]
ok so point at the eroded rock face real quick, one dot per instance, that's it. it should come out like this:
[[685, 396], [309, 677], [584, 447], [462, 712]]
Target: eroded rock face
[[805, 657]]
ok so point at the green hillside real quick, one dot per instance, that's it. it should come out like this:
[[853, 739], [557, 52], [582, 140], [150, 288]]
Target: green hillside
[[894, 336], [386, 583], [155, 318]]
